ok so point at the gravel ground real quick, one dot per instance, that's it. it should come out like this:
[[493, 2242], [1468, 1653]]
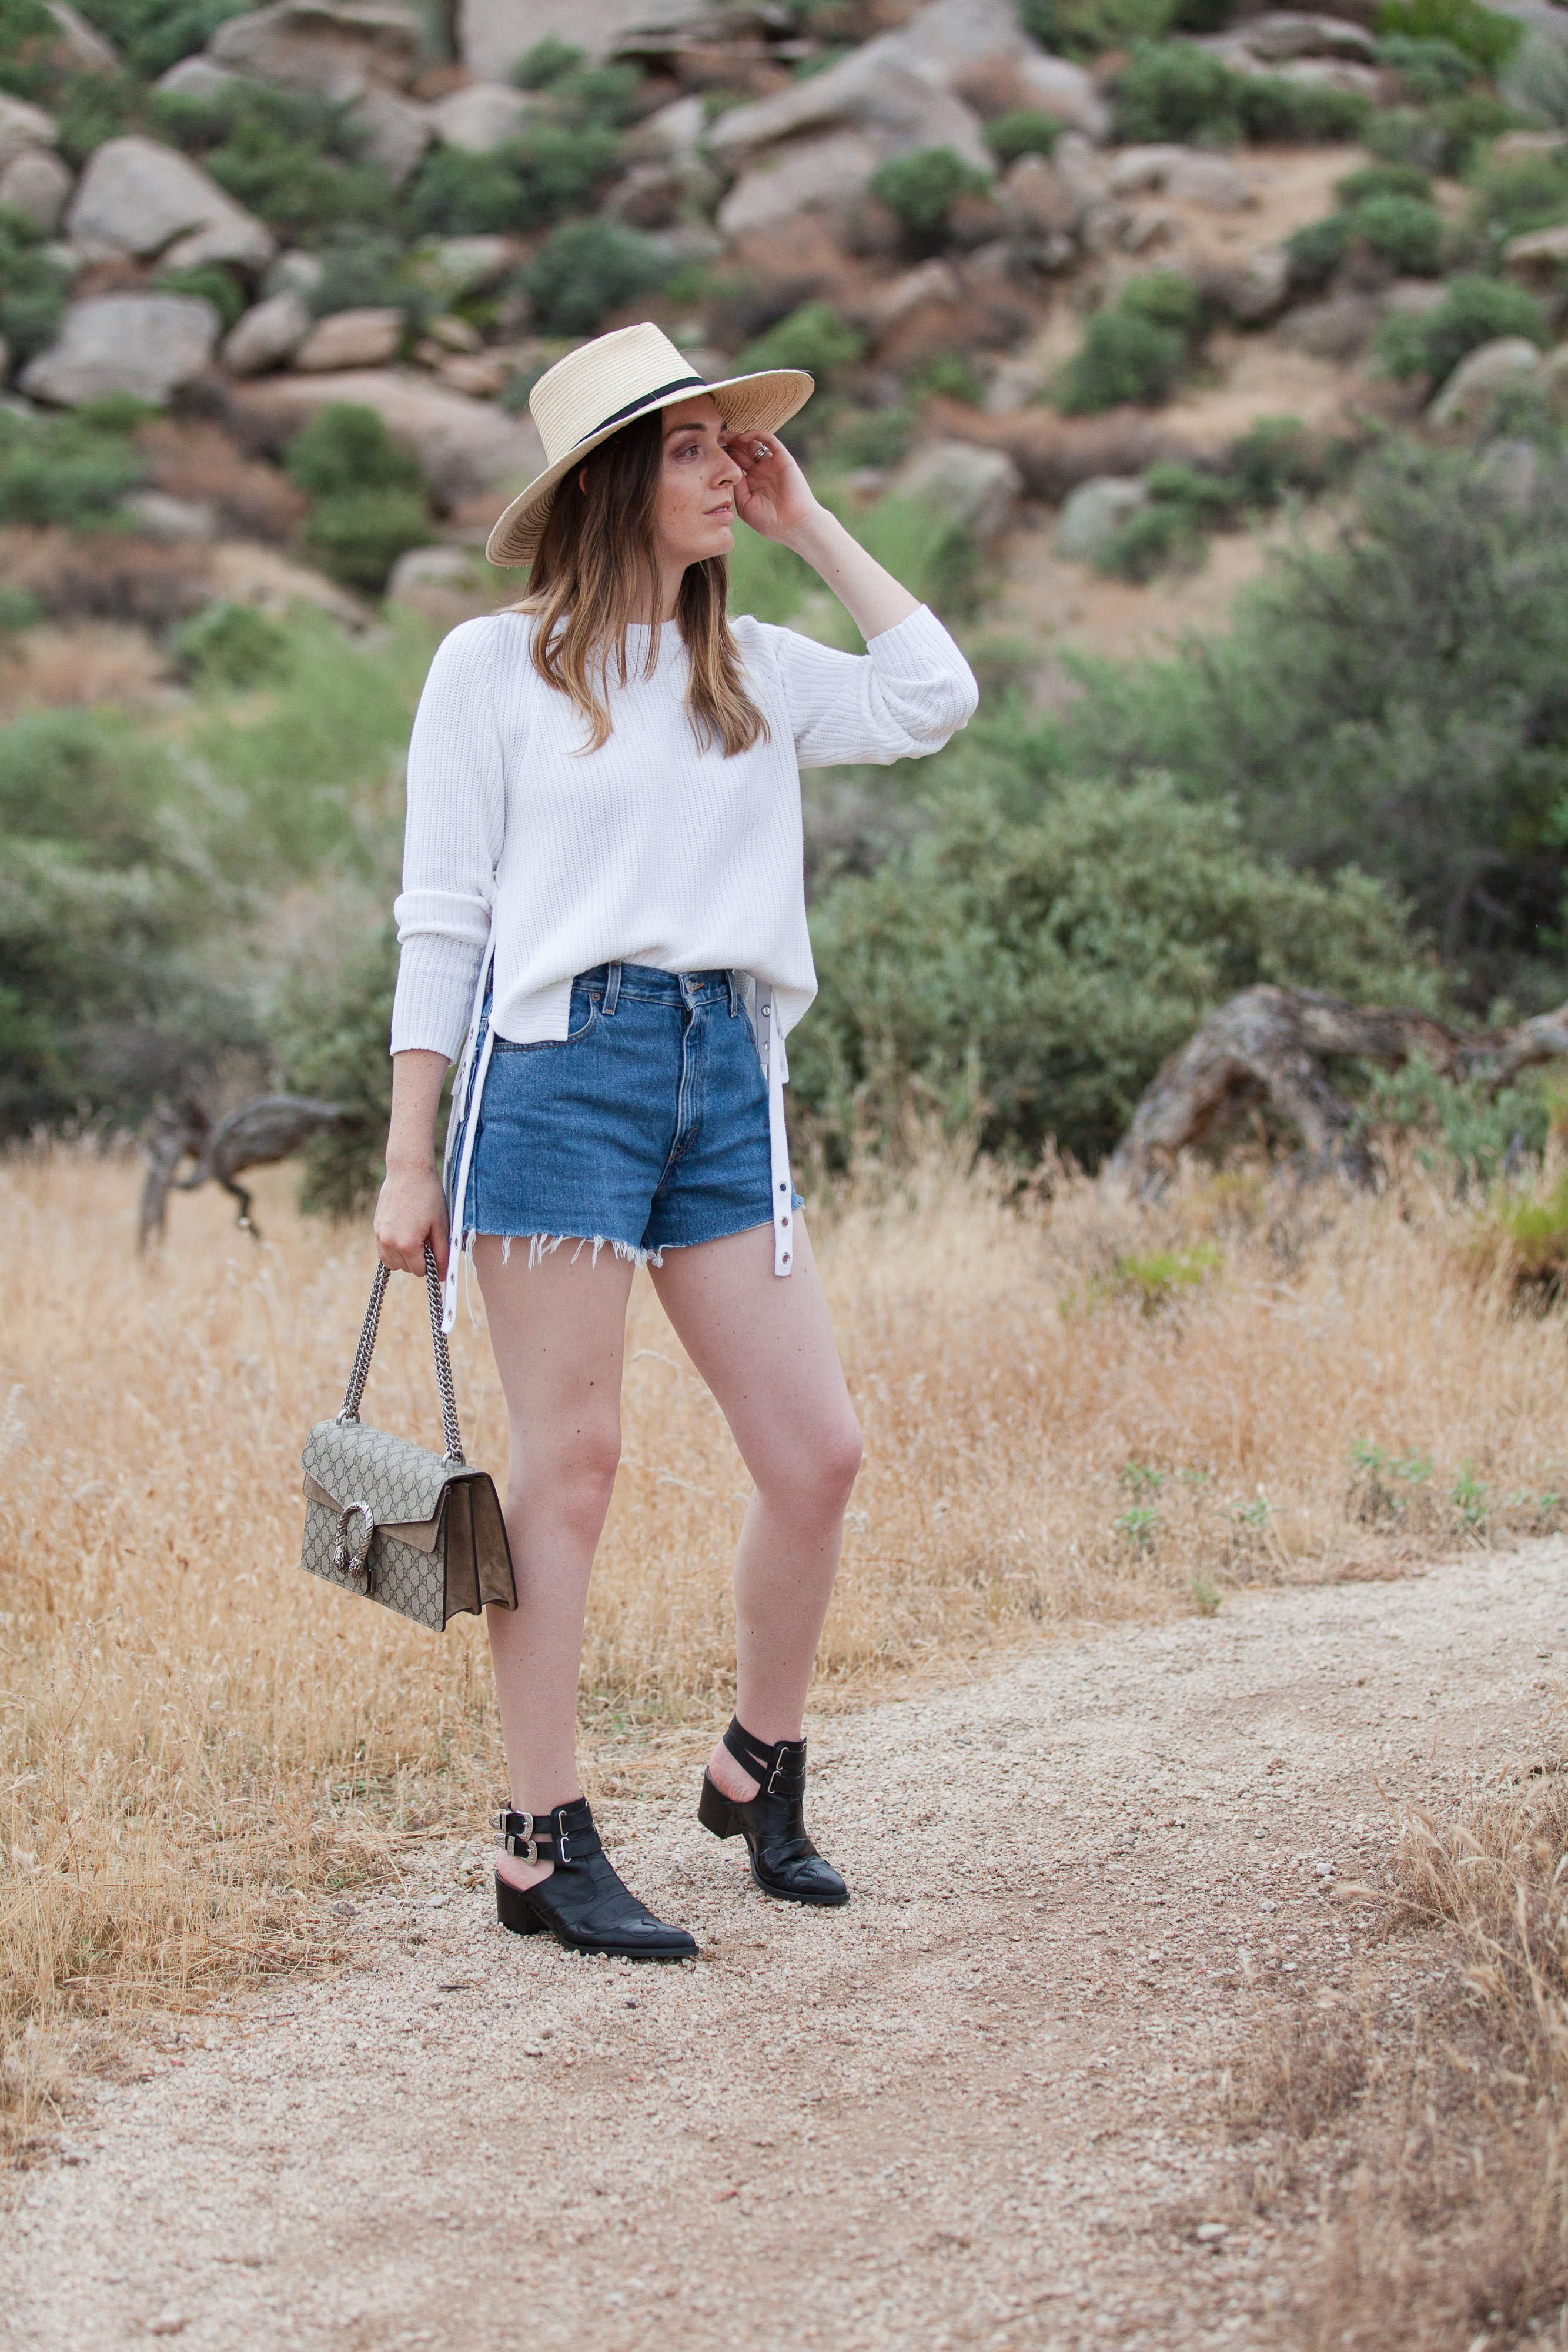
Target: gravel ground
[[978, 2107]]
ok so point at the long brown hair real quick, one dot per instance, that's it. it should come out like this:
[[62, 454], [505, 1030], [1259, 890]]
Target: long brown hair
[[596, 559]]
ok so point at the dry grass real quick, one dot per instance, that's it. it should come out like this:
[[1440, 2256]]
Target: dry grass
[[1073, 1408], [1433, 2131]]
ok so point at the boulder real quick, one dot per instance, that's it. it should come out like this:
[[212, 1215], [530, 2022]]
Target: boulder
[[350, 339], [337, 49], [1187, 173], [149, 345], [23, 126], [933, 281], [674, 131], [1283, 34], [896, 104], [295, 273], [1084, 174], [464, 447], [393, 132], [138, 197], [197, 78], [481, 117], [1339, 329], [1064, 91], [1511, 471], [1260, 286], [1333, 73], [1095, 509], [1553, 378], [1541, 252], [446, 585], [157, 515], [809, 175], [977, 488], [87, 45], [1037, 200], [35, 183], [494, 35], [458, 266], [1504, 365], [267, 335]]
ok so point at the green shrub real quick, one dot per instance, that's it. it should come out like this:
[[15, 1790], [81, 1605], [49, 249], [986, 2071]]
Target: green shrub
[[151, 36], [1087, 28], [63, 469], [1528, 192], [920, 189], [1022, 131], [290, 158], [1474, 311], [814, 337], [1444, 137], [347, 448], [1027, 975], [1165, 536], [363, 270], [97, 901], [33, 288], [1478, 33], [606, 96], [1382, 180], [950, 375], [1166, 299], [1275, 456], [1395, 697], [547, 62], [331, 1039], [1537, 78], [228, 645], [359, 535], [209, 283], [1136, 350], [551, 170], [1122, 358], [1316, 251], [90, 104], [586, 269], [27, 36], [1427, 69], [1402, 231], [1178, 92]]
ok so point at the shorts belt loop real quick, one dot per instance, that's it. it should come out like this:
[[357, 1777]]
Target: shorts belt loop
[[611, 987], [734, 987]]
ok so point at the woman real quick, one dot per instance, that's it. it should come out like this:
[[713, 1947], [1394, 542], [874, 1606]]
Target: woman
[[603, 891]]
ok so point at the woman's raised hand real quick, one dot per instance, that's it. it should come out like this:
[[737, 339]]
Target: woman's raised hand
[[773, 495]]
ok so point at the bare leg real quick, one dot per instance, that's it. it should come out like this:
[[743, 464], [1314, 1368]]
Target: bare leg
[[559, 1331], [765, 1347]]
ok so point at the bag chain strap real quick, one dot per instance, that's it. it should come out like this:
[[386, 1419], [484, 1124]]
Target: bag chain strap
[[360, 1373]]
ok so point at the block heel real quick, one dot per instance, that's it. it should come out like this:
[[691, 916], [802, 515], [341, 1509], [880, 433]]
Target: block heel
[[715, 1811], [514, 1910]]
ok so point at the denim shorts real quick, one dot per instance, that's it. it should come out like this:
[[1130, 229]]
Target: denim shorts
[[645, 1130]]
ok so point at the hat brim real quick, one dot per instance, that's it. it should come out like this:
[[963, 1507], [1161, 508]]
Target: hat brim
[[752, 403]]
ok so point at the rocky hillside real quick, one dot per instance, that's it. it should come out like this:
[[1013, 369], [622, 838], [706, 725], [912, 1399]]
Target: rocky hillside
[[1088, 280]]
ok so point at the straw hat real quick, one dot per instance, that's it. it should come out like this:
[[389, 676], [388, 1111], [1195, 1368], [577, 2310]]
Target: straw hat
[[609, 383]]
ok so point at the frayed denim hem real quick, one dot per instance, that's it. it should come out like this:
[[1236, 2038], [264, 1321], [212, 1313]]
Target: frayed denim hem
[[543, 1245]]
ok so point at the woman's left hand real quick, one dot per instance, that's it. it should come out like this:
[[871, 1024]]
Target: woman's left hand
[[773, 495]]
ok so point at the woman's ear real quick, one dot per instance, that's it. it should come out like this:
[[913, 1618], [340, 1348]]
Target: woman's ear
[[582, 479]]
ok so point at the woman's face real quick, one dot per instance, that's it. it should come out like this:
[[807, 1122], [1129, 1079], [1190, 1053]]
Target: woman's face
[[695, 515]]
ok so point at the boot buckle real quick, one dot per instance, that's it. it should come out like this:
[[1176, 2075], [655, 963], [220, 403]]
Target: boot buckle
[[525, 1844]]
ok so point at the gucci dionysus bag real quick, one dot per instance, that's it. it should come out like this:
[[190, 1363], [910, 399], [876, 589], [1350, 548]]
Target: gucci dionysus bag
[[422, 1533]]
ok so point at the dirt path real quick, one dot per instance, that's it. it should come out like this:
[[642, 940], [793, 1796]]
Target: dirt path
[[979, 2108]]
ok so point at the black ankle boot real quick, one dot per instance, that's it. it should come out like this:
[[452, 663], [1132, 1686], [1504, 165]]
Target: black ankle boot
[[582, 1903], [784, 1861]]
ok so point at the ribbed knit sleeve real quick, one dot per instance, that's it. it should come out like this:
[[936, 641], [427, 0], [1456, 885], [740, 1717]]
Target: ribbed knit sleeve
[[452, 842], [903, 696]]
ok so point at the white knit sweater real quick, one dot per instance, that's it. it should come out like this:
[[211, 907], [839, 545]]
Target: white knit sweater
[[652, 849]]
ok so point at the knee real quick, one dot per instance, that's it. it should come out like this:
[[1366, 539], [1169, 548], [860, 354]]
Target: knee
[[833, 1465], [573, 1473]]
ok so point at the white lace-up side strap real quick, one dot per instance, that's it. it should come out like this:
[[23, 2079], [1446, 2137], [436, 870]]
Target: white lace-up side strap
[[771, 1043]]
